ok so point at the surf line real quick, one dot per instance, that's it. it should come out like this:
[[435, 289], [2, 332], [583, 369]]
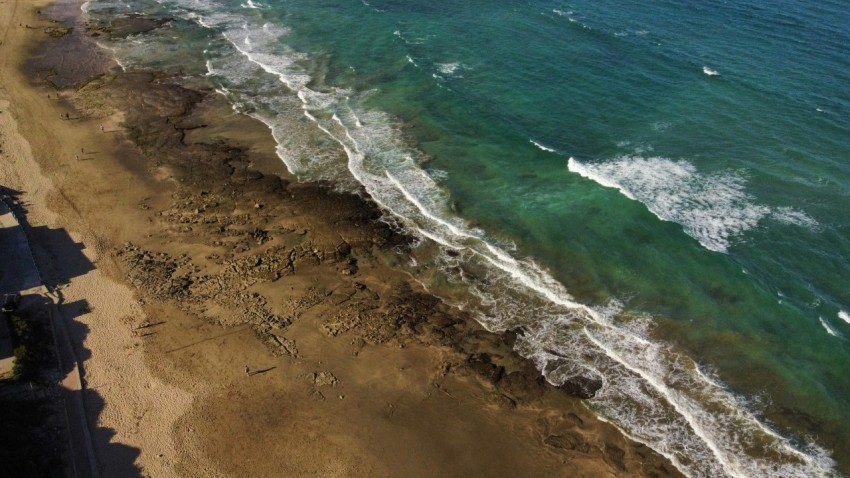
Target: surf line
[[544, 148], [831, 331], [527, 273]]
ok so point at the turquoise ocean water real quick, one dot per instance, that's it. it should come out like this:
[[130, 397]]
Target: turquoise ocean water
[[657, 196]]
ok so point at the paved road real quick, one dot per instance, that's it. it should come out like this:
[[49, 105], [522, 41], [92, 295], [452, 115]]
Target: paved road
[[84, 462], [17, 269]]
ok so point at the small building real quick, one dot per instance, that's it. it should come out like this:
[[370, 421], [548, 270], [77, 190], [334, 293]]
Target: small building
[[11, 302]]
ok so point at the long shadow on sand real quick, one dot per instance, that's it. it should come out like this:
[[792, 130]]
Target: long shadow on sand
[[60, 259]]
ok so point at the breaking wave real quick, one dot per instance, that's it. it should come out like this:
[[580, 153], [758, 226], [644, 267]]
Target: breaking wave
[[654, 394], [831, 331], [713, 208]]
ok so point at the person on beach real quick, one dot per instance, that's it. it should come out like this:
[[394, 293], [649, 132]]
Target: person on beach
[[101, 127], [247, 370]]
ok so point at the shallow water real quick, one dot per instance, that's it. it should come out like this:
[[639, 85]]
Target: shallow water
[[656, 195]]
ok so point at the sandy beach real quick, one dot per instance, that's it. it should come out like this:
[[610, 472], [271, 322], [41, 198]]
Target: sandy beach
[[234, 322]]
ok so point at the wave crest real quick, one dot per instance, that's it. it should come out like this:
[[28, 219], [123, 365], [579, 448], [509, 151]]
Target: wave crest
[[713, 208]]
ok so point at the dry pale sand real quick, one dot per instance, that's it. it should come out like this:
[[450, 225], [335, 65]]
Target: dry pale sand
[[124, 400], [182, 257]]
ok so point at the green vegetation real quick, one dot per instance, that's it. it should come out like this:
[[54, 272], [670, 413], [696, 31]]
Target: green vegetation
[[29, 437], [32, 343], [25, 343], [23, 359]]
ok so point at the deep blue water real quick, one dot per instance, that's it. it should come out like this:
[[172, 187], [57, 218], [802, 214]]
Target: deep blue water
[[657, 195]]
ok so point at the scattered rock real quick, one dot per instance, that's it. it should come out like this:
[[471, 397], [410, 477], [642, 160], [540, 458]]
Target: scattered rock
[[481, 364], [57, 31], [523, 385], [324, 379], [503, 401], [582, 387], [569, 441], [615, 455]]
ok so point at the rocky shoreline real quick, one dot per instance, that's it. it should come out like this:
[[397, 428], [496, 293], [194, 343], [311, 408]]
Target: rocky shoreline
[[223, 241]]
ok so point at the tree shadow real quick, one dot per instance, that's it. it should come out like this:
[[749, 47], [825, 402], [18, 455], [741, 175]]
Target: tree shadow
[[17, 270], [90, 449], [58, 256], [111, 458]]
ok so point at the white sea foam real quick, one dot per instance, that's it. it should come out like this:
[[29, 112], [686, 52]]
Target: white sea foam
[[403, 37], [115, 55], [569, 15], [661, 126], [577, 340], [365, 3], [278, 64], [844, 316], [449, 69], [544, 148], [829, 328], [794, 217], [438, 174], [713, 208], [653, 394], [708, 71]]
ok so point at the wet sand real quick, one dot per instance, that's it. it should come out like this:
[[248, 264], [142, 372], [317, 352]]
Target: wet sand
[[235, 322]]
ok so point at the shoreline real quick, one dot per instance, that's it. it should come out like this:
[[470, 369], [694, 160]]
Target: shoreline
[[190, 208]]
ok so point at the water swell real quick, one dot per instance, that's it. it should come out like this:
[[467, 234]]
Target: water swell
[[632, 394], [829, 329], [651, 392], [541, 147], [715, 209]]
